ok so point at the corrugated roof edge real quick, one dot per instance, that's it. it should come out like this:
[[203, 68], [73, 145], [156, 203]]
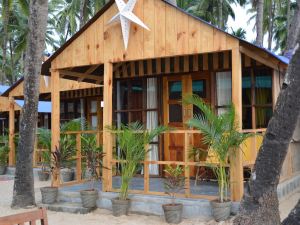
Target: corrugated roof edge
[[47, 64]]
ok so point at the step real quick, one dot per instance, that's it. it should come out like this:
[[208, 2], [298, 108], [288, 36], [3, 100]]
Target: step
[[68, 207]]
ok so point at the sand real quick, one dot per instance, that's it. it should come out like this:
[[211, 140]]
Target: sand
[[104, 217]]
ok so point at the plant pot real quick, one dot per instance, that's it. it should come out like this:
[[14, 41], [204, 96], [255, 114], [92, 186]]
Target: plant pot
[[49, 194], [220, 211], [43, 175], [67, 174], [89, 198], [120, 207], [173, 213], [2, 170]]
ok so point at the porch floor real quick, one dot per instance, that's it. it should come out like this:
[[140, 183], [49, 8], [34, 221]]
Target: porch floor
[[156, 185]]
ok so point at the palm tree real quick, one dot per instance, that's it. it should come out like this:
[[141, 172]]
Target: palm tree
[[240, 33], [221, 135], [259, 22], [215, 12]]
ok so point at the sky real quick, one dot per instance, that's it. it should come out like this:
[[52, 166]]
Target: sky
[[241, 20]]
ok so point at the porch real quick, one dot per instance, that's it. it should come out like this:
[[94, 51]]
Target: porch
[[151, 91]]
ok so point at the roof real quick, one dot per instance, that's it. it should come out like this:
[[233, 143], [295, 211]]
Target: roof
[[3, 88], [43, 107], [6, 92], [47, 64]]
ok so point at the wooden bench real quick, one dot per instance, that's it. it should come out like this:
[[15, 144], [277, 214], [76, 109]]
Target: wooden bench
[[26, 218]]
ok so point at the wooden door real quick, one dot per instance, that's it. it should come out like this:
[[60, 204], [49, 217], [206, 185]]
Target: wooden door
[[177, 114]]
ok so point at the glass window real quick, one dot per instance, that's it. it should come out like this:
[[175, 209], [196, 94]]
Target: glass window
[[199, 88], [93, 106], [136, 94], [246, 84], [175, 113], [94, 122], [175, 90], [122, 95], [263, 116], [70, 107], [257, 82], [224, 91], [263, 87]]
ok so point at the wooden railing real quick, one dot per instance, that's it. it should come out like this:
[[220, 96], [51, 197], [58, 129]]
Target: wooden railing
[[187, 163], [79, 157]]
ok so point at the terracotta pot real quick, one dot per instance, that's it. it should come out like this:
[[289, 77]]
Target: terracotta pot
[[173, 213], [120, 207], [89, 198], [220, 211]]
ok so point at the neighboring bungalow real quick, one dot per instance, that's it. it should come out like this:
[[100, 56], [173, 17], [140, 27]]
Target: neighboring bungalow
[[79, 99]]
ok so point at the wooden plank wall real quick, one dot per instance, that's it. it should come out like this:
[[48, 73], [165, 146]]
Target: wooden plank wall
[[172, 33]]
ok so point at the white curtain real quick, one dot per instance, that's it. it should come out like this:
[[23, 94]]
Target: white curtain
[[152, 122], [224, 90]]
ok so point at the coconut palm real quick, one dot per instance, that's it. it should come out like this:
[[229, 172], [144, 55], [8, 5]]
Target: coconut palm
[[215, 12], [221, 135], [240, 33]]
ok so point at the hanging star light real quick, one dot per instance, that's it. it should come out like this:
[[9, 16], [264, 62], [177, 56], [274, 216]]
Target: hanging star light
[[126, 16]]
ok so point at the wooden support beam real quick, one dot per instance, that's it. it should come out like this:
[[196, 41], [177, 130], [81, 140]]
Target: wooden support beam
[[236, 163], [81, 76], [55, 121], [252, 54], [91, 69], [78, 157], [11, 142], [107, 121]]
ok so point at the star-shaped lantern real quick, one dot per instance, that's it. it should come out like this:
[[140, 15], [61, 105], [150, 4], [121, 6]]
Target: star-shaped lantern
[[126, 16]]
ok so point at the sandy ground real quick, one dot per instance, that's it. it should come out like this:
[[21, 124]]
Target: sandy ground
[[104, 217]]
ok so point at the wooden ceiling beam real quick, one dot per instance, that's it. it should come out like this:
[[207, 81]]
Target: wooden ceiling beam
[[91, 69], [81, 76]]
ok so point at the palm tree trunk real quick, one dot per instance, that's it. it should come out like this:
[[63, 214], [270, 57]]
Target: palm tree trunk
[[293, 31], [270, 24], [260, 205], [82, 10], [5, 18], [259, 23], [23, 194], [220, 14]]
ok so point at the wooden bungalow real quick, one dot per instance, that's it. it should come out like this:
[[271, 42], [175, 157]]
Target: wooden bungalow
[[145, 81], [78, 100]]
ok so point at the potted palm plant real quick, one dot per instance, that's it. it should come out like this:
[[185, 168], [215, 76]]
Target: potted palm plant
[[44, 140], [68, 148], [94, 156], [173, 184], [132, 140], [49, 194], [4, 150], [221, 135]]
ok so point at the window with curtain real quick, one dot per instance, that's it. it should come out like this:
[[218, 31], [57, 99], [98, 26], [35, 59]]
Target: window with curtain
[[224, 91], [137, 100], [257, 98]]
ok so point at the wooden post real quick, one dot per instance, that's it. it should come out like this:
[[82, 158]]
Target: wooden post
[[11, 142], [236, 162], [78, 157], [107, 121], [146, 170], [186, 166], [55, 121]]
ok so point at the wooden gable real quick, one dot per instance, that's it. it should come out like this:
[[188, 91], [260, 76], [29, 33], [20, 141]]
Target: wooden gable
[[65, 85], [5, 105], [172, 33]]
